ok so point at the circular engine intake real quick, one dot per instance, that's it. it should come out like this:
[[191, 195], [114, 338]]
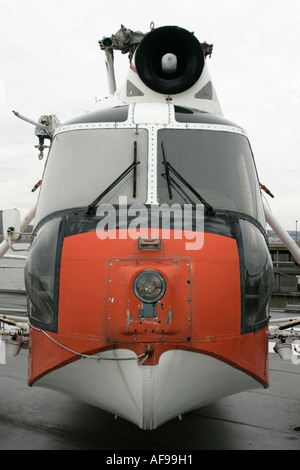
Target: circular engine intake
[[185, 66]]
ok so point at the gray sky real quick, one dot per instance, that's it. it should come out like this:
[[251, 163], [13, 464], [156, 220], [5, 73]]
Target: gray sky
[[50, 63]]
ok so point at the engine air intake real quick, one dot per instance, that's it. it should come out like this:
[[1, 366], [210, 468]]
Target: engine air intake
[[169, 60]]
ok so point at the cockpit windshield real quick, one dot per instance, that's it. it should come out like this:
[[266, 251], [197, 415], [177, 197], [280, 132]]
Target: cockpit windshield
[[218, 165], [214, 166], [83, 164]]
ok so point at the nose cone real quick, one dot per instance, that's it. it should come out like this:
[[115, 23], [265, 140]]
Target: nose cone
[[169, 63]]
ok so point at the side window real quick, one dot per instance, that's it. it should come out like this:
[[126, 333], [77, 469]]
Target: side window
[[258, 274], [40, 272]]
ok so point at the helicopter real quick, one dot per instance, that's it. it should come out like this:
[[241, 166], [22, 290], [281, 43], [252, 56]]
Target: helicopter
[[148, 274]]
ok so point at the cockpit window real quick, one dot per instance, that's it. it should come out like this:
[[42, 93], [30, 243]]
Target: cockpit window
[[218, 165], [84, 162]]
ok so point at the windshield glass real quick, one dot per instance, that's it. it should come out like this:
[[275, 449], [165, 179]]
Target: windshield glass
[[218, 165], [83, 163]]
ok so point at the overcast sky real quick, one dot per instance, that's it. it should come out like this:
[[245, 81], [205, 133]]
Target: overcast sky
[[50, 63]]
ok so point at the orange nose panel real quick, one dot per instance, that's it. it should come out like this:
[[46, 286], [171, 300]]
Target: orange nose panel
[[130, 319], [199, 311]]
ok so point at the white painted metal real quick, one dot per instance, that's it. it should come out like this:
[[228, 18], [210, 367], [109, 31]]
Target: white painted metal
[[148, 396], [282, 233], [109, 62], [151, 113], [48, 129], [173, 125], [187, 98], [11, 221], [152, 165], [146, 95], [4, 246]]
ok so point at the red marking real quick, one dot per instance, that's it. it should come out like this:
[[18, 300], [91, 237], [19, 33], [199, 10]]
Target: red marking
[[132, 67]]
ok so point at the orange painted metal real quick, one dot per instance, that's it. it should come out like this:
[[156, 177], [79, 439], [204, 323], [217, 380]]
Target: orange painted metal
[[98, 310]]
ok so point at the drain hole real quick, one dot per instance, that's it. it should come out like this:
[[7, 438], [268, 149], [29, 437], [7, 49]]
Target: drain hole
[[297, 428]]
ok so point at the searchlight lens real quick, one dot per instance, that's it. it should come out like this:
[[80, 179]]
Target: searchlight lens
[[149, 286]]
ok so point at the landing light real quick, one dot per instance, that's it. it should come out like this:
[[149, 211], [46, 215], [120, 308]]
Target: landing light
[[149, 286]]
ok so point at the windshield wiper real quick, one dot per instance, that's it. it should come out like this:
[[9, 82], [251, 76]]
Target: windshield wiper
[[167, 165], [179, 190], [91, 208], [135, 163], [168, 168]]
